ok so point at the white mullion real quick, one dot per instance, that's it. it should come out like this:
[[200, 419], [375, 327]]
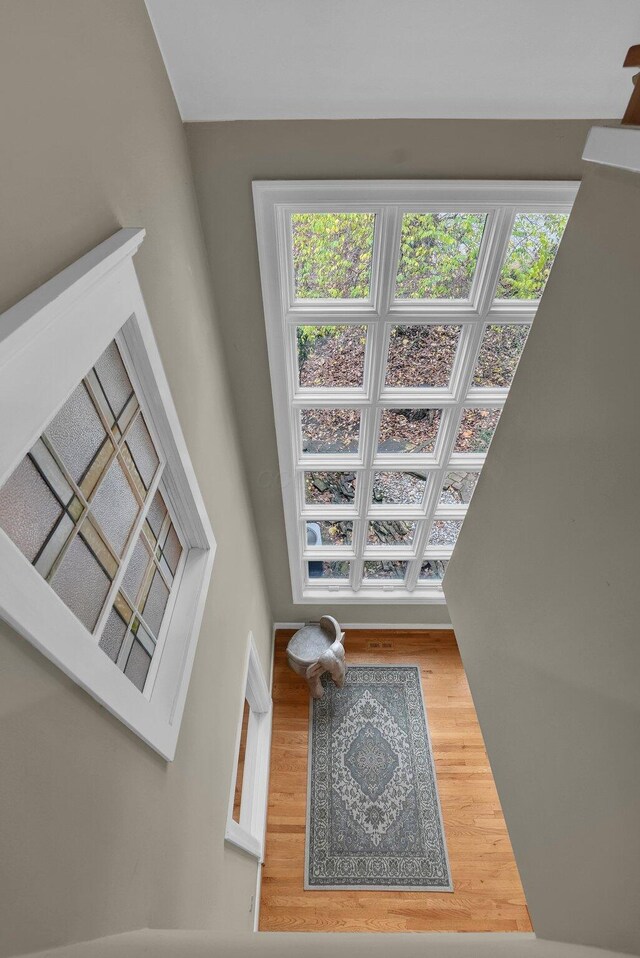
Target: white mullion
[[382, 297], [498, 240], [131, 544], [470, 341]]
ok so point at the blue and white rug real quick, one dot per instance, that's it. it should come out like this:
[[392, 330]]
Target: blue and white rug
[[373, 813]]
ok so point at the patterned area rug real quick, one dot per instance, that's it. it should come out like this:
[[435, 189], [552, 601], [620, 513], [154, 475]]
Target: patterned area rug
[[373, 813]]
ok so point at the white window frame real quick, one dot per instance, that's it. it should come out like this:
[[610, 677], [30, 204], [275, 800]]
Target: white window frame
[[274, 202], [48, 342], [249, 833]]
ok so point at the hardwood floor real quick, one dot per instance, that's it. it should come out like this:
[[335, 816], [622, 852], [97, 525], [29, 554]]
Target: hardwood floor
[[237, 794], [487, 892]]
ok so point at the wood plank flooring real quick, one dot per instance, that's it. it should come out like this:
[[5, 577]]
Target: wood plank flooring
[[487, 892]]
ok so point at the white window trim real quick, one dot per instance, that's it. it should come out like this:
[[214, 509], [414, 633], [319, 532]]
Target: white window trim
[[249, 833], [48, 343], [274, 201]]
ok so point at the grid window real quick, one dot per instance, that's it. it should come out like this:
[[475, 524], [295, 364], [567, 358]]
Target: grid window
[[397, 315], [73, 504]]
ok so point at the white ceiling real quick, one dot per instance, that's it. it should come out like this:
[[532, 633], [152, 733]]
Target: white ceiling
[[299, 59]]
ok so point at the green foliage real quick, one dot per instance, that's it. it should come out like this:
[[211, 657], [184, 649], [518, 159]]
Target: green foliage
[[532, 249], [332, 254], [307, 336], [438, 255]]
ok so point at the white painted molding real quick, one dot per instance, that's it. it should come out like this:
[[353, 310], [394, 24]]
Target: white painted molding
[[274, 203], [614, 146], [64, 326], [26, 319], [249, 833]]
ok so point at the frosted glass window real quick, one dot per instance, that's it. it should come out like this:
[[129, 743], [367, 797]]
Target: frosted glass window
[[143, 451], [71, 504], [81, 583], [156, 603], [134, 574], [114, 379], [113, 635], [115, 506], [137, 666], [157, 512], [76, 432], [28, 509], [172, 550]]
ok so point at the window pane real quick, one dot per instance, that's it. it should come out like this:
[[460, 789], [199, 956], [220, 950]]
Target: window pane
[[477, 427], [438, 255], [172, 550], [458, 487], [115, 506], [329, 487], [155, 604], [143, 451], [421, 356], [332, 255], [385, 570], [500, 351], [134, 574], [137, 666], [330, 430], [328, 570], [408, 430], [113, 378], [155, 515], [28, 509], [329, 533], [390, 532], [77, 433], [331, 355], [81, 583], [113, 635], [399, 488], [532, 249], [433, 569], [444, 532]]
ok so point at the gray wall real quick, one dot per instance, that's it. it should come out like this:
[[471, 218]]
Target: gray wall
[[226, 157], [98, 834], [543, 587]]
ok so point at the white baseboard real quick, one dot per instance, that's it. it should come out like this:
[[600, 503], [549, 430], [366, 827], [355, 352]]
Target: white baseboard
[[371, 626]]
